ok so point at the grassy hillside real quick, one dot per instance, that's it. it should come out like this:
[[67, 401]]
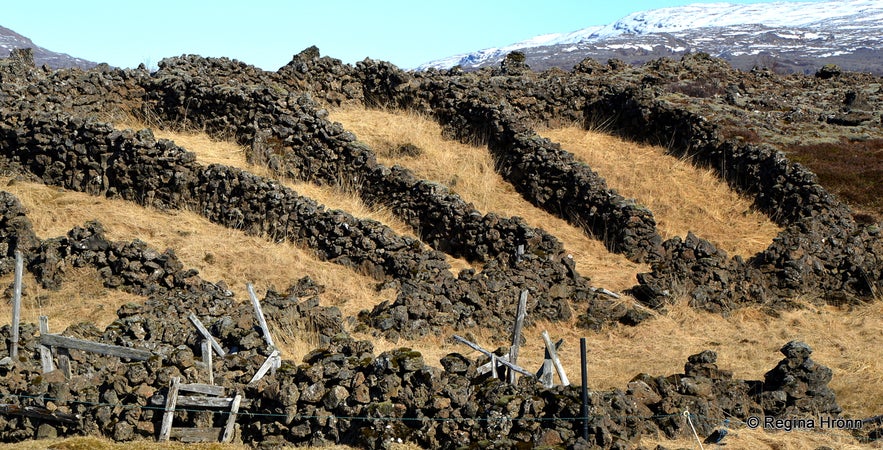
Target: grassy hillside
[[747, 340]]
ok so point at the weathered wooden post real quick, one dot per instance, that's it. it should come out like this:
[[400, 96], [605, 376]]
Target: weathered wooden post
[[555, 361], [165, 429], [64, 364], [16, 305], [207, 360], [45, 352], [516, 332], [260, 315]]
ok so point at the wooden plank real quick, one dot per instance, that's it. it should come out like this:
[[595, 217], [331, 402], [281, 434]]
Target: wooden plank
[[204, 401], [231, 420], [200, 388], [207, 360], [55, 340], [555, 361], [167, 418], [45, 352], [209, 402], [64, 364], [478, 348], [516, 332], [195, 435], [208, 336], [268, 364], [16, 306], [259, 313]]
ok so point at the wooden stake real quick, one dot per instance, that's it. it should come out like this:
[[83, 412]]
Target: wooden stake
[[555, 361], [488, 366], [207, 360], [231, 420], [260, 315], [45, 352], [516, 332], [546, 373], [64, 363], [169, 416], [16, 305], [39, 412]]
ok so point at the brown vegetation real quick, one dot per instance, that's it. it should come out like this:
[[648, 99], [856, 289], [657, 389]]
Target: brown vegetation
[[851, 169]]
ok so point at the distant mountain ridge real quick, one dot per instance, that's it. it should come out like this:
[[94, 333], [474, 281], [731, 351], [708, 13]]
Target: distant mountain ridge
[[785, 36], [10, 40]]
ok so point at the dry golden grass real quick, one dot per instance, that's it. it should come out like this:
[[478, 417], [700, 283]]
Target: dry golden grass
[[82, 297], [469, 171], [682, 197], [97, 443], [217, 252], [748, 439]]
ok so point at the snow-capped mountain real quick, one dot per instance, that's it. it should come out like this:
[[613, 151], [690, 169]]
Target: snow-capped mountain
[[795, 36], [11, 40]]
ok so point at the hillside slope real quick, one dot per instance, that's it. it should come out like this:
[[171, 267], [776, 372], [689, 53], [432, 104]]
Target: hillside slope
[[365, 289]]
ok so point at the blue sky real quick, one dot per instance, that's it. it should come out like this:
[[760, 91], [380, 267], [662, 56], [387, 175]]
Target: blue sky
[[267, 33]]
